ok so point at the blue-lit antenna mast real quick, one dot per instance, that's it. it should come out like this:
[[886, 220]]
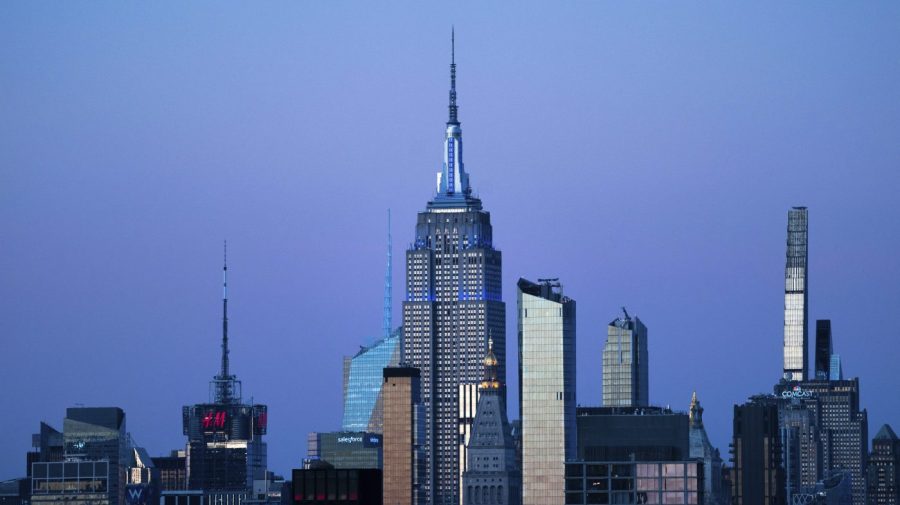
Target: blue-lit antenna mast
[[387, 316]]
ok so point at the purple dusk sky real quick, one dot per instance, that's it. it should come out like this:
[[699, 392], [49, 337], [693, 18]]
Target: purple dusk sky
[[646, 155]]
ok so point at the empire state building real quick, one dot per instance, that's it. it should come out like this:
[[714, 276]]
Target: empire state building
[[453, 306]]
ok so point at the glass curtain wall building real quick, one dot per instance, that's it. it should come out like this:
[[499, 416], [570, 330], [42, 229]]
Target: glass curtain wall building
[[625, 367], [796, 308], [363, 381], [453, 305], [547, 389]]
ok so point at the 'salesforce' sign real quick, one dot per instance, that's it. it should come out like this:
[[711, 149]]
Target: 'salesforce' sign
[[350, 440]]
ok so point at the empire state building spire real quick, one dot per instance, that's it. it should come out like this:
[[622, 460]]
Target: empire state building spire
[[454, 110], [453, 188]]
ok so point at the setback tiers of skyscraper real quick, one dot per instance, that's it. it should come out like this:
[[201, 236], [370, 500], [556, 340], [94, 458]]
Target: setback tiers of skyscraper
[[453, 304]]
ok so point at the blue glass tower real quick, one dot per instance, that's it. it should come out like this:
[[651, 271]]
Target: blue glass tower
[[363, 379]]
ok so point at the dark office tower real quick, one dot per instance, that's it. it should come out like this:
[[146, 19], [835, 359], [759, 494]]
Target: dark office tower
[[824, 348], [884, 468], [225, 450], [403, 432], [172, 471], [546, 389], [843, 427], [625, 367], [795, 296], [801, 453], [453, 303], [757, 474], [492, 477]]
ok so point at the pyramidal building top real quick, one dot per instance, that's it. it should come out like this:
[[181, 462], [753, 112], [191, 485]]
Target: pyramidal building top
[[454, 194]]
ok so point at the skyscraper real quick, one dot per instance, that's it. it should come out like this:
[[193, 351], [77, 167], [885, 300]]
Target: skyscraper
[[824, 348], [93, 466], [843, 428], [884, 468], [453, 302], [757, 476], [403, 431], [796, 308], [625, 367], [225, 450], [363, 382], [492, 477], [547, 389]]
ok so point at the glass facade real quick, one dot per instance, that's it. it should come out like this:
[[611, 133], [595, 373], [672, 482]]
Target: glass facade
[[634, 482], [547, 396], [453, 306], [795, 296], [363, 381], [625, 366]]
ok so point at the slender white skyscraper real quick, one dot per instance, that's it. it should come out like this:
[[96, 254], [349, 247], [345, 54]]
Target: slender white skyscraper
[[547, 389], [796, 337]]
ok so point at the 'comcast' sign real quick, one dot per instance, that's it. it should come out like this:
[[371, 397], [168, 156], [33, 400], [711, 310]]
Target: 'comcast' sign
[[796, 392]]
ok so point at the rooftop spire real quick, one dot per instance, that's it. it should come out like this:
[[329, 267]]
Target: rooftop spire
[[225, 386], [695, 415], [387, 317], [224, 372], [490, 368], [454, 110]]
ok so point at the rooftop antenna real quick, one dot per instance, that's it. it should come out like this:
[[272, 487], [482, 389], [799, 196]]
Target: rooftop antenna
[[453, 108], [627, 317], [387, 316], [224, 384]]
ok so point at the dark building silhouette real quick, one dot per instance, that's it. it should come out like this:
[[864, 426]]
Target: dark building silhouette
[[757, 472], [492, 477], [172, 471], [824, 348], [884, 468], [631, 433], [330, 486], [453, 302]]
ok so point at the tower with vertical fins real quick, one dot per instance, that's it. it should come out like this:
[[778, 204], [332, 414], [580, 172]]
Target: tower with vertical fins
[[453, 302]]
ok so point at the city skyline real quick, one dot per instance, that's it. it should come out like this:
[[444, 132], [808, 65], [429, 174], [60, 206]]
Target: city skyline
[[115, 218]]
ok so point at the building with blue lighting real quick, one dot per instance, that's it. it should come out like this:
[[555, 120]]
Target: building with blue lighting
[[363, 380], [453, 306]]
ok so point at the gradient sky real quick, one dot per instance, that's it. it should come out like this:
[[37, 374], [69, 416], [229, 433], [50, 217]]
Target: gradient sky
[[644, 154]]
